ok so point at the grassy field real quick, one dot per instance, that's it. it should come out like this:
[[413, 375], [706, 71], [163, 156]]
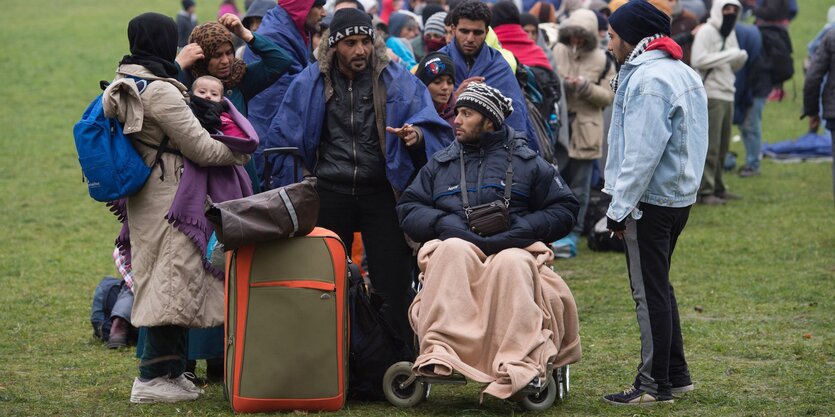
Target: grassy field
[[754, 278]]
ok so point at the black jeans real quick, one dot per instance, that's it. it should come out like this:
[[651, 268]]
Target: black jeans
[[649, 244], [390, 260], [164, 353]]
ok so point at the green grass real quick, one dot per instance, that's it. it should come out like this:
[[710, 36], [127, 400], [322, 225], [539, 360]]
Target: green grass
[[760, 271]]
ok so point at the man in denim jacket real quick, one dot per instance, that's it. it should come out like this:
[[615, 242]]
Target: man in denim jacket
[[657, 148]]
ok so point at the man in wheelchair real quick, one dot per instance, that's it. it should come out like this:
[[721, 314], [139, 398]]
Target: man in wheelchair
[[491, 307]]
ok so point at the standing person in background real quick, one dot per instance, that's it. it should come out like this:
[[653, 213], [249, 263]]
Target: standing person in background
[[473, 58], [186, 22], [228, 6], [434, 32], [753, 83], [174, 289], [252, 19], [683, 28], [716, 55], [657, 148], [402, 28], [776, 13], [822, 67], [586, 72], [289, 25]]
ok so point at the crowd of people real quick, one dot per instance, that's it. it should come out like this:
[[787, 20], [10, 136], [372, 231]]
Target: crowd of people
[[417, 117]]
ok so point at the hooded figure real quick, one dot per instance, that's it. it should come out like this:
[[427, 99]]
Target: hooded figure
[[283, 24], [586, 72], [717, 56]]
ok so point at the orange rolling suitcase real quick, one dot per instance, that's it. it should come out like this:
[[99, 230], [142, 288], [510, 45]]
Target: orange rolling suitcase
[[287, 324]]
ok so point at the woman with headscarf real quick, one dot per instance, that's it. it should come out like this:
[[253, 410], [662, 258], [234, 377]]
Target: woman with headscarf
[[211, 52], [173, 290], [241, 82]]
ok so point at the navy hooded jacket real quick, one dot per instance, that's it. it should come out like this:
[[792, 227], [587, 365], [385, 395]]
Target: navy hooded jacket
[[542, 207]]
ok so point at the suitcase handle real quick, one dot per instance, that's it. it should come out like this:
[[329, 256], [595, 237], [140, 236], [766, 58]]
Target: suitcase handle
[[268, 163]]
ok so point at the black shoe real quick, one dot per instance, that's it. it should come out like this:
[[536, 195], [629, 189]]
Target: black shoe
[[636, 397], [118, 333], [214, 370]]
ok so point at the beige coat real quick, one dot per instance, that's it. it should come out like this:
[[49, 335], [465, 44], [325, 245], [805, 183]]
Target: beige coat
[[171, 287], [587, 102]]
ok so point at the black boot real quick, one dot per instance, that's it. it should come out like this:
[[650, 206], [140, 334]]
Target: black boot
[[118, 333], [214, 370]]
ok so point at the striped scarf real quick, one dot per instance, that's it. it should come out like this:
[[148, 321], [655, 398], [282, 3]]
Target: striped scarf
[[639, 49]]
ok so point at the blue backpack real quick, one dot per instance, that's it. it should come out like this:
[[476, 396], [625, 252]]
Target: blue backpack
[[110, 164]]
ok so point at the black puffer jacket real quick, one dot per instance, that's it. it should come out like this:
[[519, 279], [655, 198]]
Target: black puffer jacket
[[542, 207], [822, 64], [350, 158]]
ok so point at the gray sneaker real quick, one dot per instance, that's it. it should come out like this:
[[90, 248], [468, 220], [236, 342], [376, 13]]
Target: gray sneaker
[[159, 390], [678, 392], [183, 382]]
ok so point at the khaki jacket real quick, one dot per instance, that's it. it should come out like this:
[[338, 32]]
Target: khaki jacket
[[171, 287], [588, 102]]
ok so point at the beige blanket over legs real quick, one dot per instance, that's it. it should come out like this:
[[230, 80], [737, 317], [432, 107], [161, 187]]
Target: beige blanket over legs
[[498, 320]]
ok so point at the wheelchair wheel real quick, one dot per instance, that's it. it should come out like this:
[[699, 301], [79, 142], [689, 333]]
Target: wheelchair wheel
[[543, 400], [563, 377], [409, 396]]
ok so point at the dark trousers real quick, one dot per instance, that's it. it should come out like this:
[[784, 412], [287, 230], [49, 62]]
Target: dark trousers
[[390, 260], [164, 352], [649, 244]]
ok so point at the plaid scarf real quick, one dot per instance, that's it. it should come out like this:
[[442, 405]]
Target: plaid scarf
[[639, 49]]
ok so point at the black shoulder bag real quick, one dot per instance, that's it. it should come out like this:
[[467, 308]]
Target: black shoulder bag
[[490, 218]]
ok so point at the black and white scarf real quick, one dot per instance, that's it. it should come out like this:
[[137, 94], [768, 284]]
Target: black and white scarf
[[639, 49]]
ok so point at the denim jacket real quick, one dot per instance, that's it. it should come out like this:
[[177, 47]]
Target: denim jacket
[[658, 136]]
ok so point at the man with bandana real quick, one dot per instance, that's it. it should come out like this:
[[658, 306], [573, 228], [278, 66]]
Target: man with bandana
[[364, 125], [657, 148], [717, 57]]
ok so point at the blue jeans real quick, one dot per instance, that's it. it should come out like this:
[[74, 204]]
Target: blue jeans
[[751, 131]]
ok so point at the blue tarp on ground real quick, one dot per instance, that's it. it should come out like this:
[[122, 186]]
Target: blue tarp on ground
[[808, 146]]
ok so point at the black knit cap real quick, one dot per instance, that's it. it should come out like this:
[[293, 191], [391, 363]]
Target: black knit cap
[[638, 19], [486, 100], [434, 65], [349, 22]]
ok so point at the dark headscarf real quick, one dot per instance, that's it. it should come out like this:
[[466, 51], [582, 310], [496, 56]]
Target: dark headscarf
[[153, 44], [210, 36]]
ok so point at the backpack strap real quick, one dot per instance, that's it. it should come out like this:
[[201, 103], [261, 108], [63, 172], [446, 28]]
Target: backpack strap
[[141, 84]]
